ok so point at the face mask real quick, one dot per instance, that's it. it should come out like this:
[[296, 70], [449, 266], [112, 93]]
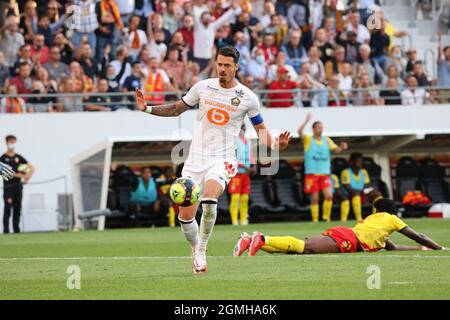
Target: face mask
[[158, 41], [11, 146], [397, 55], [260, 59]]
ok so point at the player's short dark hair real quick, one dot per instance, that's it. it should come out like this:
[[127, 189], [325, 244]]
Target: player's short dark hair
[[385, 205], [10, 137], [446, 48], [417, 62], [315, 123], [229, 51], [355, 156]]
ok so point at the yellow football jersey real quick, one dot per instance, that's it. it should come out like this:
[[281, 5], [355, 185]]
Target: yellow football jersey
[[373, 231], [307, 142]]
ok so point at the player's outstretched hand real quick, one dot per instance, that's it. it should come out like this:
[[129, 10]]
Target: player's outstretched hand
[[140, 101], [283, 140], [308, 117], [6, 171]]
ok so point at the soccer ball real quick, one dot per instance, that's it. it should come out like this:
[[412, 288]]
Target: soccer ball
[[184, 192], [23, 168]]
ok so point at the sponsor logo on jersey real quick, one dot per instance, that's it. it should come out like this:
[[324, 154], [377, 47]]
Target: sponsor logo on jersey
[[212, 88], [239, 93], [235, 101]]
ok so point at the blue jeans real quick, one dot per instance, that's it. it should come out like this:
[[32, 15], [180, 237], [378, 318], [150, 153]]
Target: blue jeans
[[77, 39], [381, 60], [101, 43]]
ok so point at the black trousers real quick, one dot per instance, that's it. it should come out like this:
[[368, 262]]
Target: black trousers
[[13, 200]]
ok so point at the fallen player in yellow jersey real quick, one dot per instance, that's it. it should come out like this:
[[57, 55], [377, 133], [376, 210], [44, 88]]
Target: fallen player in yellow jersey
[[371, 234]]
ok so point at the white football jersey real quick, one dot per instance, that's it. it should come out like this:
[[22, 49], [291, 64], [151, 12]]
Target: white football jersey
[[219, 118]]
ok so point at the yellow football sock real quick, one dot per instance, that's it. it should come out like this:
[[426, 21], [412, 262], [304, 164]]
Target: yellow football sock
[[356, 205], [315, 212], [171, 217], [286, 244], [234, 208], [327, 206], [243, 209], [345, 210]]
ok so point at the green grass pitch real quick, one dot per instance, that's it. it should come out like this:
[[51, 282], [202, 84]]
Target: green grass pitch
[[155, 264]]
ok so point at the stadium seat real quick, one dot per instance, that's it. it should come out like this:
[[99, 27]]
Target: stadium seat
[[374, 171], [407, 179], [339, 164], [263, 199], [433, 181]]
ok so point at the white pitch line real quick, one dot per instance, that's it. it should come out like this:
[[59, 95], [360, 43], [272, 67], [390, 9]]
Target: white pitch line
[[221, 257]]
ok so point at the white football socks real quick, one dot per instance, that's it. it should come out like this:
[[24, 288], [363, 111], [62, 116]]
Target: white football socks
[[209, 206], [190, 231]]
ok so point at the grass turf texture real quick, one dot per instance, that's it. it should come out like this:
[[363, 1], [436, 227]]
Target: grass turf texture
[[154, 264]]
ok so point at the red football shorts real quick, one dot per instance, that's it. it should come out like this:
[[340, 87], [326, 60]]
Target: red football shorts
[[345, 238], [315, 183], [239, 184]]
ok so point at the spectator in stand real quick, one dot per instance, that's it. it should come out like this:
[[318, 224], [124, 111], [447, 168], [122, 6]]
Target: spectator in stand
[[84, 23], [24, 57], [184, 52], [11, 103], [156, 37], [122, 66], [223, 37], [39, 103], [281, 99], [336, 97], [144, 59], [412, 58], [11, 40], [281, 62], [334, 21], [23, 79], [85, 57], [174, 67], [101, 102], [295, 52], [69, 101], [172, 16], [374, 71], [346, 79], [379, 45], [204, 32], [316, 7], [155, 25], [443, 72], [258, 69], [250, 27], [187, 30], [47, 29], [269, 11], [53, 8], [268, 47], [56, 69], [391, 96], [334, 65], [298, 17], [351, 46], [396, 59], [412, 95], [219, 8], [422, 79], [354, 24], [156, 83], [134, 80], [108, 17], [313, 93], [28, 21], [4, 74], [50, 86], [83, 83], [274, 28], [245, 56], [317, 67], [325, 47], [393, 73], [135, 37], [65, 47], [39, 51], [367, 95]]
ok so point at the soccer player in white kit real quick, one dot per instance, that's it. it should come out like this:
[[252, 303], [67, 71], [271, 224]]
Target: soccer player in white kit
[[223, 105]]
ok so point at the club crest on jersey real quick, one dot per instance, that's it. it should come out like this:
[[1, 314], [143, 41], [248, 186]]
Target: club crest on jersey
[[239, 93], [235, 101]]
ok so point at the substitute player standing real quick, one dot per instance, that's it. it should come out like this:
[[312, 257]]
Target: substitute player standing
[[318, 167], [223, 105]]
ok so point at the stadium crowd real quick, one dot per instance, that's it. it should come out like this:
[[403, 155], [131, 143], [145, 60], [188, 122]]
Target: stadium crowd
[[68, 54]]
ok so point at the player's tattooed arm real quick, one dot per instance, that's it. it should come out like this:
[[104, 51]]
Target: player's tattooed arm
[[167, 110]]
